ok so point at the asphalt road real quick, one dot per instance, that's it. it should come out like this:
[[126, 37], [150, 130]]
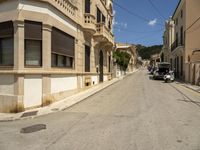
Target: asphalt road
[[137, 113]]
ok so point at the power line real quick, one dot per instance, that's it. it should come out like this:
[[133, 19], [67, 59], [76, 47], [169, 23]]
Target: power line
[[134, 14], [157, 10], [146, 36], [132, 31]]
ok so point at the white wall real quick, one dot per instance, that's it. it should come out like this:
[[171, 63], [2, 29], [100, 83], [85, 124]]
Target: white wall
[[32, 90], [6, 84], [95, 80], [61, 83], [105, 78], [81, 81]]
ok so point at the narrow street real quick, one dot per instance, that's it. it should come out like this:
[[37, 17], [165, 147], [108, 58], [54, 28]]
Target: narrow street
[[136, 113]]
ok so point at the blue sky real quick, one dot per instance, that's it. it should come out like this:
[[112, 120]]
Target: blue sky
[[131, 29]]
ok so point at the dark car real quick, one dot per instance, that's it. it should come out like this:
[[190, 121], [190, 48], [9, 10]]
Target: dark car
[[162, 69]]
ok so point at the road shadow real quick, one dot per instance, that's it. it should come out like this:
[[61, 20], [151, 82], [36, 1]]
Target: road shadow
[[186, 98], [151, 78]]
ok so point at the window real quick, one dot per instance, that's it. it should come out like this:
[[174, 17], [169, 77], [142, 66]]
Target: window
[[98, 15], [69, 62], [61, 61], [176, 21], [6, 52], [182, 35], [53, 60], [103, 18], [176, 39], [181, 13], [175, 66], [109, 63], [171, 61], [87, 59], [6, 44], [63, 47], [87, 6], [33, 43], [181, 65], [33, 52], [109, 24], [177, 61], [105, 2]]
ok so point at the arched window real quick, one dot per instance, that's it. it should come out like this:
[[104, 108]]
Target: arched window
[[111, 9]]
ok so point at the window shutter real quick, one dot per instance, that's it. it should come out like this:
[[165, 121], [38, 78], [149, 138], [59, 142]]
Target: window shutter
[[6, 29], [62, 43], [33, 30]]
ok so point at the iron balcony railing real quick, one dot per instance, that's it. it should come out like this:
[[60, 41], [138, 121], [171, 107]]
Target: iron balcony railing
[[175, 45]]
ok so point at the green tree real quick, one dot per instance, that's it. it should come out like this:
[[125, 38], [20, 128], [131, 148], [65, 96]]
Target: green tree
[[122, 59], [146, 52]]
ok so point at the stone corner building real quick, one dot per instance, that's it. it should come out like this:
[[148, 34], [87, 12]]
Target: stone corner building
[[181, 41], [49, 48]]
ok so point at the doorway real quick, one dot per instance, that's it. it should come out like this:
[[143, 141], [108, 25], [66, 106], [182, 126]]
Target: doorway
[[101, 66]]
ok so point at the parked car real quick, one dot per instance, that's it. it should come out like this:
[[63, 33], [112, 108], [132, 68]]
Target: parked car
[[162, 69], [153, 69]]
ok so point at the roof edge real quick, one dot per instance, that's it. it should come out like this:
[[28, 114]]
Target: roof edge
[[176, 8]]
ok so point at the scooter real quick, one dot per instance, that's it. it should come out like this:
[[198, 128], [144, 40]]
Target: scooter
[[169, 77]]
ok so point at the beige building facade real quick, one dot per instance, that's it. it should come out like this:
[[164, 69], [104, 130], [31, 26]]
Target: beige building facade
[[181, 41], [50, 48], [168, 39], [178, 46], [155, 59], [192, 42]]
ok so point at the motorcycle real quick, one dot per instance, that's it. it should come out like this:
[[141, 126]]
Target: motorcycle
[[169, 77]]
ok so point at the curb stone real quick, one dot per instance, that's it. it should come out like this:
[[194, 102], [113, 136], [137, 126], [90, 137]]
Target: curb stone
[[188, 86], [196, 90]]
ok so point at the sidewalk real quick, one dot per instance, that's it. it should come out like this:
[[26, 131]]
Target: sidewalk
[[60, 105], [190, 86]]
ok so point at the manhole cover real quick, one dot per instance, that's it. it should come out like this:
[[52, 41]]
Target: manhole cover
[[33, 128], [27, 114]]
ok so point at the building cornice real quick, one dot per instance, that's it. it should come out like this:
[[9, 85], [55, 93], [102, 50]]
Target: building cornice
[[178, 5]]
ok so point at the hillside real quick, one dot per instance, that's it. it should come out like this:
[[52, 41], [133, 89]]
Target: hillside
[[146, 52]]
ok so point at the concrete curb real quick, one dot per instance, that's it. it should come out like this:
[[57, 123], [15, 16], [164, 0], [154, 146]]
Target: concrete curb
[[198, 91], [188, 86], [63, 104]]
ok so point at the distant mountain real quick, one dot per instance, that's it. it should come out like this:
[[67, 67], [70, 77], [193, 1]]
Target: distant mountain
[[146, 52]]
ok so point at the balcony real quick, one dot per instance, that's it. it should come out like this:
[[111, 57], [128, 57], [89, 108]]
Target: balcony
[[103, 34], [89, 23], [176, 45], [67, 7]]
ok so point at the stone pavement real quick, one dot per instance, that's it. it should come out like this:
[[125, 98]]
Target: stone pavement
[[59, 105]]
